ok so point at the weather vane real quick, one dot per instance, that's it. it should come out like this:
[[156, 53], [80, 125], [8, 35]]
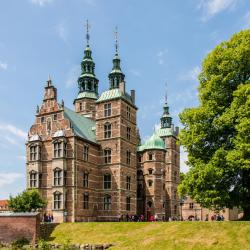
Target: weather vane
[[116, 39], [87, 26]]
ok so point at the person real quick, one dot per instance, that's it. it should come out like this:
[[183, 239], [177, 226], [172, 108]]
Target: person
[[212, 218], [222, 218], [127, 217], [156, 217], [142, 217], [52, 218], [206, 219]]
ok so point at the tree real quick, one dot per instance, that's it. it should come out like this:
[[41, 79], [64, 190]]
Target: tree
[[27, 201], [216, 134]]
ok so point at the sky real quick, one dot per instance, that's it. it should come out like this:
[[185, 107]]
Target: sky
[[161, 43]]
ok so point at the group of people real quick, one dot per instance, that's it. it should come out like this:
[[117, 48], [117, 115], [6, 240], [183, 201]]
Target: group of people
[[217, 217], [48, 217]]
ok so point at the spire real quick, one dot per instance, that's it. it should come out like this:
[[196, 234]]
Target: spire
[[49, 81], [116, 76], [87, 82], [166, 119]]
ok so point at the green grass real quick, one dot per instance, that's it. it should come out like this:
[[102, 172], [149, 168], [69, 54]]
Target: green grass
[[158, 235]]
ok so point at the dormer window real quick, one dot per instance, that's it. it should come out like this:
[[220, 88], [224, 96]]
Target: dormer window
[[80, 106]]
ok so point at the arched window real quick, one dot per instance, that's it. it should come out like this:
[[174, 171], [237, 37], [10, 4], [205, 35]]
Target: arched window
[[107, 155], [150, 183], [33, 179], [107, 130], [57, 200], [58, 177], [150, 171], [107, 181], [107, 202]]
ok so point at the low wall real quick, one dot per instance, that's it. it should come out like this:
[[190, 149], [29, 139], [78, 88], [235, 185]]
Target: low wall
[[14, 226], [46, 229]]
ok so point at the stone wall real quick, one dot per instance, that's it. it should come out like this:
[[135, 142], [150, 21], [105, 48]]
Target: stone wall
[[15, 226]]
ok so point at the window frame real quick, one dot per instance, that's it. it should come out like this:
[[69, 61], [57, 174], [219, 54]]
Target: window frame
[[128, 182], [86, 152], [107, 109], [57, 200], [107, 181], [107, 129], [128, 203], [107, 202], [128, 157], [58, 177], [107, 154], [85, 201], [85, 179]]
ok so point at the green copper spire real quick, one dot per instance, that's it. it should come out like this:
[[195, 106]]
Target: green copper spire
[[116, 76], [166, 119], [87, 81]]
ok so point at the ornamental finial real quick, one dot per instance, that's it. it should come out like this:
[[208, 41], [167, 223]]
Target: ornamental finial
[[87, 26], [49, 81], [116, 39]]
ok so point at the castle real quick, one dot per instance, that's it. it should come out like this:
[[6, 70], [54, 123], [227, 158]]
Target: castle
[[89, 163]]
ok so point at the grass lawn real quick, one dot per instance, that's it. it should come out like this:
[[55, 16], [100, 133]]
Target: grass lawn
[[158, 235]]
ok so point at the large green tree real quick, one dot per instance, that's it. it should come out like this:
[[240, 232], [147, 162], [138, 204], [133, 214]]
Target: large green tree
[[216, 134], [27, 201]]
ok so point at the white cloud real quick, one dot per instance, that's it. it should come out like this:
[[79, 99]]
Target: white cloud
[[9, 128], [9, 178], [41, 2], [72, 76], [212, 7], [3, 65], [160, 55], [135, 72], [192, 74], [246, 19]]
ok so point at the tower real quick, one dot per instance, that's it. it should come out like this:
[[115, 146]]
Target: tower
[[116, 132], [87, 83]]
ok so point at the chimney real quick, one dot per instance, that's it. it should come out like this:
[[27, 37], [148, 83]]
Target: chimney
[[132, 93], [122, 87]]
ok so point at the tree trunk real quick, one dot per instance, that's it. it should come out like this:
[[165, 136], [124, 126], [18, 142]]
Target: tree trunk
[[246, 213]]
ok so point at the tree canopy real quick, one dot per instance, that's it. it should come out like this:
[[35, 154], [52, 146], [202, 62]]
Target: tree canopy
[[27, 201], [216, 134]]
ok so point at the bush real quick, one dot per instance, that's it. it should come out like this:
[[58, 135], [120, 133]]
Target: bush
[[19, 243]]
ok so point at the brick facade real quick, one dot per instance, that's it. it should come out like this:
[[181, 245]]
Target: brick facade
[[15, 226], [85, 163]]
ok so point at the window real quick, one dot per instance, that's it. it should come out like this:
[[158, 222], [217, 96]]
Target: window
[[175, 209], [140, 158], [191, 205], [85, 180], [54, 117], [107, 202], [139, 191], [128, 112], [128, 201], [57, 200], [42, 119], [150, 156], [86, 153], [150, 171], [107, 181], [33, 179], [80, 106], [33, 153], [107, 109], [128, 133], [128, 158], [85, 201], [58, 149], [107, 156], [149, 203], [128, 182], [150, 183], [107, 130], [58, 177]]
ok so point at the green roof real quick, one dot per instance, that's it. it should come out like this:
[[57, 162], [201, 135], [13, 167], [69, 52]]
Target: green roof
[[91, 95], [165, 132], [82, 126], [154, 142], [113, 94]]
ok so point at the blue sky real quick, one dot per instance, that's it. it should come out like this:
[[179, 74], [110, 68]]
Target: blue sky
[[160, 41]]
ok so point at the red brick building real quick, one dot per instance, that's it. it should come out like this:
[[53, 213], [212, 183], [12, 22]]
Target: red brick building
[[89, 164], [4, 205]]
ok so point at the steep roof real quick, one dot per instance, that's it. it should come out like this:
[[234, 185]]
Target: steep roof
[[114, 94], [83, 127]]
